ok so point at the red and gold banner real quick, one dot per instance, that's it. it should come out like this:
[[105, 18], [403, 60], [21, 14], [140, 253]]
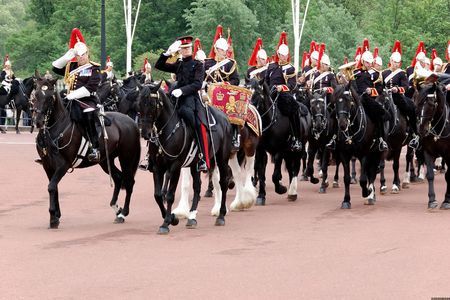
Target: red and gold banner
[[232, 100]]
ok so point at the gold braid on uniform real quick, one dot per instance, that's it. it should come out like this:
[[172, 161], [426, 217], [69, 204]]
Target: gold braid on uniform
[[69, 79], [219, 72]]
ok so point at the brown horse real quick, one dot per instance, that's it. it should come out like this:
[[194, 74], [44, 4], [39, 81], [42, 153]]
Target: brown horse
[[62, 146]]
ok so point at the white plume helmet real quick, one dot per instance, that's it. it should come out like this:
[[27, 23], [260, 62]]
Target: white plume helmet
[[325, 60], [222, 44], [80, 48], [200, 55], [283, 49], [396, 57], [367, 56], [262, 54]]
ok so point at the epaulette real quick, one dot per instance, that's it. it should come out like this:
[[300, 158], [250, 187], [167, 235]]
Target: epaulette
[[94, 63]]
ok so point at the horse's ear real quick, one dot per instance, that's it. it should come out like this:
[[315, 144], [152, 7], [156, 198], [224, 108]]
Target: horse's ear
[[36, 74], [53, 81], [169, 84], [158, 86]]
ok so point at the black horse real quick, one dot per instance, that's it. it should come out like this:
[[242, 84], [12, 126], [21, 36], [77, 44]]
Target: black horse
[[321, 133], [62, 146], [434, 130], [275, 136], [18, 99], [172, 146], [128, 94], [356, 137], [109, 94], [397, 137]]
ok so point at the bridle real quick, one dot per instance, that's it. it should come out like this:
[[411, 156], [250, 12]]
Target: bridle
[[350, 122]]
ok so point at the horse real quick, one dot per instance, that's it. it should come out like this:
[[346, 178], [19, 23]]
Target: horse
[[321, 133], [109, 93], [397, 137], [172, 146], [18, 98], [355, 137], [61, 145], [129, 93], [434, 131], [275, 141]]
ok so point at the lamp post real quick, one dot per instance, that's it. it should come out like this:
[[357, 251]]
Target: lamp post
[[103, 37]]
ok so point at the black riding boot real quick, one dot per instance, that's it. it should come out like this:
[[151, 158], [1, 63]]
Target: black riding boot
[[382, 145], [94, 155], [414, 142], [201, 164], [296, 144]]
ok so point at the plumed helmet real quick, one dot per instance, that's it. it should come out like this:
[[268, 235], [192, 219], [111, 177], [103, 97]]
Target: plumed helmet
[[221, 44], [109, 63], [262, 54], [421, 56], [437, 61], [283, 49], [378, 60], [325, 60], [200, 55], [396, 57], [315, 55], [367, 57], [80, 48]]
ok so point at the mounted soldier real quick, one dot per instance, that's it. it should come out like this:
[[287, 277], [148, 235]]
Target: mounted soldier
[[396, 81], [7, 74], [377, 60], [220, 68], [107, 73], [416, 63], [257, 62], [189, 74], [369, 86], [82, 78], [309, 64], [281, 78], [199, 54], [146, 72]]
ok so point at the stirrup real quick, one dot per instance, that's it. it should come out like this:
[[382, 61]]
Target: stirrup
[[94, 156], [331, 145], [382, 146], [201, 166], [414, 142]]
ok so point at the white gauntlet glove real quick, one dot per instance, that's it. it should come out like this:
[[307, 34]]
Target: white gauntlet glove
[[63, 60], [177, 93], [82, 92], [174, 48]]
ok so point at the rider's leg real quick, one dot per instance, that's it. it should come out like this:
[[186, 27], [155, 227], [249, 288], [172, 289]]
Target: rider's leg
[[94, 155]]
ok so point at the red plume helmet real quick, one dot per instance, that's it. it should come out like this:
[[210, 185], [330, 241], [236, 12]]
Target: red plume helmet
[[218, 35], [397, 47], [375, 52], [365, 46], [258, 46], [312, 47], [5, 60], [197, 46], [433, 56], [356, 58], [304, 58], [420, 48], [75, 37], [321, 52], [144, 68], [283, 40], [345, 60]]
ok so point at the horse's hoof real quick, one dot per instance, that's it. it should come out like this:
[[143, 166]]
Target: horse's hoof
[[303, 177], [346, 205], [322, 190], [119, 220], [432, 205], [208, 194], [292, 197], [445, 205], [17, 132], [175, 220], [220, 221], [54, 224], [314, 180], [383, 190], [191, 224], [353, 180], [370, 201], [260, 201], [405, 185], [395, 189], [335, 184], [163, 230], [280, 189]]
